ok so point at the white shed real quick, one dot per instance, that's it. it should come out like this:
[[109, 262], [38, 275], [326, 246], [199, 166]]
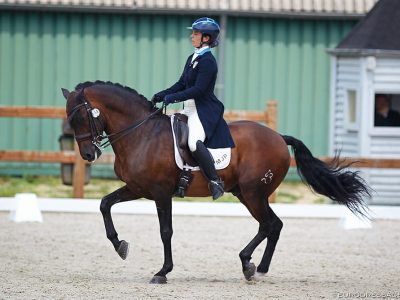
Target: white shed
[[366, 66]]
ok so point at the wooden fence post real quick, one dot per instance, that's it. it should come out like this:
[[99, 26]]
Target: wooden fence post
[[271, 121], [271, 114], [78, 179]]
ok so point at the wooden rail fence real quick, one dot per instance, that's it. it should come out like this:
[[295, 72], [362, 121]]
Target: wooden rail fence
[[73, 157]]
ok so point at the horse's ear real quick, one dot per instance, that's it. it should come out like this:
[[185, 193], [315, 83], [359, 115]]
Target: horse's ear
[[65, 92]]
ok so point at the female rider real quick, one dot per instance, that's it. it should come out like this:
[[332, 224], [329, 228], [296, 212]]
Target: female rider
[[195, 87]]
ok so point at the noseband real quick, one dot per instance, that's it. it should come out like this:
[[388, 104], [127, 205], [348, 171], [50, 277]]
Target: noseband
[[93, 115], [95, 135]]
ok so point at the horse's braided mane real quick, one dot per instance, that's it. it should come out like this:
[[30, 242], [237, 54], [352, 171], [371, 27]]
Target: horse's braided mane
[[86, 84]]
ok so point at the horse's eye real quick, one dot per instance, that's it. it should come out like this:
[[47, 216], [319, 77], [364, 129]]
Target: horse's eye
[[76, 119]]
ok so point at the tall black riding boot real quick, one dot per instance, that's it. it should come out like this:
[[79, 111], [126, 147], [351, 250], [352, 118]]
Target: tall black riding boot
[[206, 164]]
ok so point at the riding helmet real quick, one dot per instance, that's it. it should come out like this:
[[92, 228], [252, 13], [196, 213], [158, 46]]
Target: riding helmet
[[209, 27]]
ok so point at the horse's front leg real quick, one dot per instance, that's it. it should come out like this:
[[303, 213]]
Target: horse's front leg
[[120, 195], [164, 211]]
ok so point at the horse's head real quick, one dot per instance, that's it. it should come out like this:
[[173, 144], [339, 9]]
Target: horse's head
[[86, 122]]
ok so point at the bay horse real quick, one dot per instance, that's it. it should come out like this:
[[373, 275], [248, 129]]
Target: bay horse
[[141, 138]]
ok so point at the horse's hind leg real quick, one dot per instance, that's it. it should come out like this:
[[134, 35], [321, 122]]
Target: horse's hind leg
[[270, 227], [120, 195], [273, 228]]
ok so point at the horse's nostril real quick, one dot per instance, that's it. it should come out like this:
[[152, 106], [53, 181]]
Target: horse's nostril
[[89, 156]]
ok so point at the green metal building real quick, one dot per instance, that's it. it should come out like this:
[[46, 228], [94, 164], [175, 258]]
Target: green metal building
[[266, 53]]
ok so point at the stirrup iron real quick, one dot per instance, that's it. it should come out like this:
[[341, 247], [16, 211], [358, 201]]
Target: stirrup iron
[[216, 188]]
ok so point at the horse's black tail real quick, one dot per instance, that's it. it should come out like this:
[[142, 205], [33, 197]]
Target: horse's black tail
[[332, 179]]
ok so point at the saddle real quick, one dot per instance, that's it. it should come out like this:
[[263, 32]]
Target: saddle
[[181, 131], [184, 158]]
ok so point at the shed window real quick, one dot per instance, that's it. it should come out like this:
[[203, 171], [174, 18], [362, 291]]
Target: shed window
[[352, 104], [351, 110], [387, 110]]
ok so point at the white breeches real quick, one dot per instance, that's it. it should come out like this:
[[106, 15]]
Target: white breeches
[[196, 130]]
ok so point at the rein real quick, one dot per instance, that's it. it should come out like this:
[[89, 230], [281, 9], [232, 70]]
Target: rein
[[95, 135], [127, 130]]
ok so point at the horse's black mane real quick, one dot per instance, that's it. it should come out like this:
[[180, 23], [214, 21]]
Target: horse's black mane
[[86, 84]]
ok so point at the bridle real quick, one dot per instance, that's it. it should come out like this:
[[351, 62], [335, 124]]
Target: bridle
[[95, 134]]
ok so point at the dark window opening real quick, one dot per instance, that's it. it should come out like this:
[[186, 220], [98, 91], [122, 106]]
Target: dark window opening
[[387, 110]]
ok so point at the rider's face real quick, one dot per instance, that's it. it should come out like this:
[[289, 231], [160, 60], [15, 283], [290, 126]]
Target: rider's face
[[196, 38]]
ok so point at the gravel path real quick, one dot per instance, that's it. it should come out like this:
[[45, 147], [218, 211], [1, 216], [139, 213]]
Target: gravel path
[[69, 257]]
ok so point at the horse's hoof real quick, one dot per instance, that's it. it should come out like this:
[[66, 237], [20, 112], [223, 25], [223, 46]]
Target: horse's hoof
[[249, 272], [123, 249], [158, 279]]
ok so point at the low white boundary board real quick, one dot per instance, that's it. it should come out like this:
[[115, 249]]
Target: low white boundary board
[[147, 207]]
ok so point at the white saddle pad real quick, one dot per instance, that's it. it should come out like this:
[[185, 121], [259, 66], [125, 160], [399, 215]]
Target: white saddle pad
[[222, 156]]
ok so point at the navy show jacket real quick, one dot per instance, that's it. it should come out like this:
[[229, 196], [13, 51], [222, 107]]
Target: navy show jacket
[[197, 82]]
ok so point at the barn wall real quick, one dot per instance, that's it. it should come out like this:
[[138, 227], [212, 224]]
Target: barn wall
[[40, 52], [282, 59]]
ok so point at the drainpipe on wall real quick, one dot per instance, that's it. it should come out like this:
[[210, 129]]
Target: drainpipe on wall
[[221, 59]]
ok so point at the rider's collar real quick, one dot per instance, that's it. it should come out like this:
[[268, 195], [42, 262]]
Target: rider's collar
[[202, 50]]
